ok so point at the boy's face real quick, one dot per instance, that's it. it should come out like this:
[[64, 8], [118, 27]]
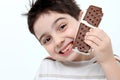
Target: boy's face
[[56, 32]]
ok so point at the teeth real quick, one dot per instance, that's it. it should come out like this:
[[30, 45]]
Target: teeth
[[67, 48]]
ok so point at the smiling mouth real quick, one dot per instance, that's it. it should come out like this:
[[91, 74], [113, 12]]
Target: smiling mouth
[[67, 50]]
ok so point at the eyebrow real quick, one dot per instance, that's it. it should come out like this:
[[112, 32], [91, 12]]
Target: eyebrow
[[58, 19]]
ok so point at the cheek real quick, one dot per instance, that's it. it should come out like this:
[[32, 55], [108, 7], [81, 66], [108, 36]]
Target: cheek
[[50, 49], [72, 31]]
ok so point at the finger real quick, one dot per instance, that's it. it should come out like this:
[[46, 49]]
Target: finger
[[91, 43], [97, 32], [101, 34], [94, 39]]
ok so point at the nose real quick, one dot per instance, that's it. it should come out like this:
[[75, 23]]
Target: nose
[[58, 40]]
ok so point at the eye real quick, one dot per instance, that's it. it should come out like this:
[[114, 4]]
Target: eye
[[62, 27], [46, 40]]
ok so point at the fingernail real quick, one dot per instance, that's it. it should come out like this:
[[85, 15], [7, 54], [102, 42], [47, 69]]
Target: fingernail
[[87, 33], [91, 29], [85, 37]]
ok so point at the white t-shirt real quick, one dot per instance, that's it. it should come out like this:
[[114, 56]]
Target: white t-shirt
[[83, 70]]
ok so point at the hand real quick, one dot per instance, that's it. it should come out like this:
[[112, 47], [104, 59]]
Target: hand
[[100, 44]]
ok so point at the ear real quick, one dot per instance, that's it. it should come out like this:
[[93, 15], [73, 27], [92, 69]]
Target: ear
[[80, 15]]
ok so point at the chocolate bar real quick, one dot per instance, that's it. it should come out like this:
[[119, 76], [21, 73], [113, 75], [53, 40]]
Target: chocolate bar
[[93, 17]]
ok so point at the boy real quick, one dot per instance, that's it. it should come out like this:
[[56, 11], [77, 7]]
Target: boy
[[55, 23]]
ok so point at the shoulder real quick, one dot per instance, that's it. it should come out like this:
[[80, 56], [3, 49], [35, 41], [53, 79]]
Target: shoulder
[[47, 66]]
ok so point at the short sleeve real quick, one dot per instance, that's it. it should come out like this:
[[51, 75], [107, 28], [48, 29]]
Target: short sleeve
[[45, 68]]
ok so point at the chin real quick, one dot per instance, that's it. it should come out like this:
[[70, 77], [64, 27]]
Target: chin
[[72, 57]]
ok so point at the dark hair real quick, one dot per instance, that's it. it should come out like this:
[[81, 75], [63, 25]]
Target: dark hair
[[44, 6]]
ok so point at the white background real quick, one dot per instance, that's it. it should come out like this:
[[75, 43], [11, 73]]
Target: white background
[[20, 52]]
